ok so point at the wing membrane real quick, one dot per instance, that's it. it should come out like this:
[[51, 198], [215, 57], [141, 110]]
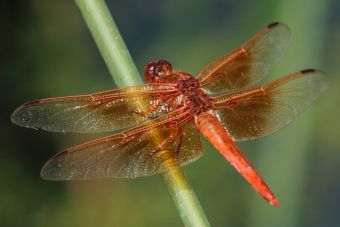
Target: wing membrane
[[259, 111], [99, 112], [247, 64], [126, 155]]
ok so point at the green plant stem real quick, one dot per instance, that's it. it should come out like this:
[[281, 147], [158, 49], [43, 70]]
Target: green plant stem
[[184, 198], [124, 73], [109, 42]]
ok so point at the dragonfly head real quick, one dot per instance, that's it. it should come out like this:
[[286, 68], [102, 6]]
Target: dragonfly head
[[157, 71]]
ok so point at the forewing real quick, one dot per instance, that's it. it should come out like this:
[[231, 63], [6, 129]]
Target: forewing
[[105, 111], [248, 64], [260, 111], [126, 155]]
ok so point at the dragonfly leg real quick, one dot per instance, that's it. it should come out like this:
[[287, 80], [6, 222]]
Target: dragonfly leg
[[166, 141]]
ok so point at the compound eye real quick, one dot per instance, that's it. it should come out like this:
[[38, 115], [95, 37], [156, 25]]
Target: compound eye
[[163, 68], [150, 68], [150, 71]]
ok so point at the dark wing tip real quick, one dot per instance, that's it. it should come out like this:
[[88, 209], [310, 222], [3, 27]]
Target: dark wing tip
[[272, 25], [308, 71], [324, 79], [316, 71], [275, 25]]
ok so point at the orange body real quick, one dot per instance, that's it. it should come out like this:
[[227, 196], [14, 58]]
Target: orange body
[[214, 132], [219, 102]]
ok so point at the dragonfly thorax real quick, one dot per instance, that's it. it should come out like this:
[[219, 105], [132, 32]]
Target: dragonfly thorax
[[198, 102], [187, 85], [194, 97]]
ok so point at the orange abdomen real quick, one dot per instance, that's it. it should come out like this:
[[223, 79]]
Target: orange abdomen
[[214, 132]]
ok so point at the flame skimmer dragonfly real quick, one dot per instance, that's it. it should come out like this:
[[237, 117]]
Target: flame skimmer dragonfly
[[179, 106]]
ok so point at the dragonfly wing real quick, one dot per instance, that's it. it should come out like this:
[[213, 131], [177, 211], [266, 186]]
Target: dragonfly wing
[[105, 111], [129, 154], [262, 110], [248, 64]]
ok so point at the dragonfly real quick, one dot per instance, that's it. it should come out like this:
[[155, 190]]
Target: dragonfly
[[173, 109]]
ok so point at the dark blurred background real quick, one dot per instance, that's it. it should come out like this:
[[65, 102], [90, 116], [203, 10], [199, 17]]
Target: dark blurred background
[[47, 51]]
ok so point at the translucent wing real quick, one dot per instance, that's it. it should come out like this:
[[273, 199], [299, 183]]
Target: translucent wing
[[129, 154], [248, 64], [262, 110], [99, 112]]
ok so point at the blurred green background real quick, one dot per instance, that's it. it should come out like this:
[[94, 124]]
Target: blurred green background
[[47, 51]]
